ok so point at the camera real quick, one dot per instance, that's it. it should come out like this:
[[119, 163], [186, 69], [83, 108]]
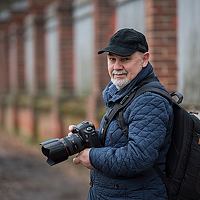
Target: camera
[[58, 150]]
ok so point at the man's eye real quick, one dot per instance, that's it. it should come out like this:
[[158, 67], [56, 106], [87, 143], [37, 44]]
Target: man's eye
[[112, 59], [125, 59]]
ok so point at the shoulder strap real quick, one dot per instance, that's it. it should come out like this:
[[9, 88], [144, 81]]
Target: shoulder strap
[[159, 91], [127, 99], [122, 123], [174, 97], [112, 112]]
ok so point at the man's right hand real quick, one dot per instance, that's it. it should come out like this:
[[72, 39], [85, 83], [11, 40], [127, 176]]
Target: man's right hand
[[71, 128]]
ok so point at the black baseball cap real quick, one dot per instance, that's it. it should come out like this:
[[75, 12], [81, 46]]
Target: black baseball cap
[[125, 42]]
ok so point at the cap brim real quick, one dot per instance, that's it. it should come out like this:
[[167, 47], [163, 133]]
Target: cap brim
[[120, 51]]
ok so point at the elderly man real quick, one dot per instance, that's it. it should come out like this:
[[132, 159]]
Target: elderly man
[[124, 167]]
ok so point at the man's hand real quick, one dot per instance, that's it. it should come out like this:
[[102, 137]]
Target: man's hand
[[83, 158], [71, 127]]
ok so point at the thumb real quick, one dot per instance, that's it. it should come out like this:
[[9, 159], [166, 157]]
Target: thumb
[[71, 127], [76, 160]]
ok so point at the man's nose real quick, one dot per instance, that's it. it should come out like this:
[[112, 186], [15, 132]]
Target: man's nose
[[118, 65]]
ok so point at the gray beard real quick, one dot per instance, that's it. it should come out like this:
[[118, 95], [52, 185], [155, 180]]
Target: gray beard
[[120, 83]]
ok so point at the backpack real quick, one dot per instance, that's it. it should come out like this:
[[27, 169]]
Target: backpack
[[182, 177]]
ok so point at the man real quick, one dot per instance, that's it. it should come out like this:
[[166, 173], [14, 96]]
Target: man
[[124, 168]]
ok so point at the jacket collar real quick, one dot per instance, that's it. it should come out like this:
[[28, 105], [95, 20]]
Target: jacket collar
[[111, 94]]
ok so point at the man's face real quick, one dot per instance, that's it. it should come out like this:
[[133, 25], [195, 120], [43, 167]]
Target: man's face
[[124, 69]]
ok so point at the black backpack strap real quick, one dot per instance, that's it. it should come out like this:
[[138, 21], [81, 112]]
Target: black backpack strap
[[161, 92], [112, 112], [175, 97], [122, 123]]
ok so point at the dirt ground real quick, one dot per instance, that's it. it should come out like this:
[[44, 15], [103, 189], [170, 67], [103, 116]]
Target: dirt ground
[[25, 175]]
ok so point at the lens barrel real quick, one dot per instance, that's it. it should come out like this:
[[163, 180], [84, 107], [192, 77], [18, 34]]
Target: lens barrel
[[55, 151]]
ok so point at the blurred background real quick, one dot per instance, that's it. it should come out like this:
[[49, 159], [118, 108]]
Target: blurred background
[[51, 77]]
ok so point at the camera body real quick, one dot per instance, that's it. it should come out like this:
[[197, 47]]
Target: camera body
[[58, 150]]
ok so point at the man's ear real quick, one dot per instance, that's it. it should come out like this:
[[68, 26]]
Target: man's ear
[[146, 59]]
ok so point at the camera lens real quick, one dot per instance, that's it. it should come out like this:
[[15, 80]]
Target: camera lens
[[73, 144], [58, 150], [55, 151]]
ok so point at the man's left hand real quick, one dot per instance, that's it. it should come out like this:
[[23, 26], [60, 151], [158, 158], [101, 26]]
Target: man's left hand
[[83, 158]]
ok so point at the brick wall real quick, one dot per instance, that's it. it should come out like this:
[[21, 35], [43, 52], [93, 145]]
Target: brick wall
[[161, 35], [17, 71], [161, 29], [36, 8], [4, 83], [38, 4], [104, 20], [104, 16], [66, 64], [20, 58], [39, 60]]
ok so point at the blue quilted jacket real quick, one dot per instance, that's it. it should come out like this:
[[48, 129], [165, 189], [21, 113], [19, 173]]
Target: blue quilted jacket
[[124, 167]]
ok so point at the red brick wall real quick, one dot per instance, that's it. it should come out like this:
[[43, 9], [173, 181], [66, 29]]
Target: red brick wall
[[38, 4], [161, 29], [104, 23], [104, 17], [37, 8], [16, 28], [4, 83], [9, 119], [66, 64], [25, 121], [40, 67], [161, 35], [49, 126], [20, 58]]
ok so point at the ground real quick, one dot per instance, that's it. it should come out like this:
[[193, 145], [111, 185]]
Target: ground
[[25, 175]]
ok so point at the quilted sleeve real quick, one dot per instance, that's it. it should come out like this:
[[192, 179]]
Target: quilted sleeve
[[147, 117]]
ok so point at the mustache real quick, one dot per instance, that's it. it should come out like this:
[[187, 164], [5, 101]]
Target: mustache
[[118, 72]]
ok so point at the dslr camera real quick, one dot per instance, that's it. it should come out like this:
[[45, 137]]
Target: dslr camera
[[58, 150]]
